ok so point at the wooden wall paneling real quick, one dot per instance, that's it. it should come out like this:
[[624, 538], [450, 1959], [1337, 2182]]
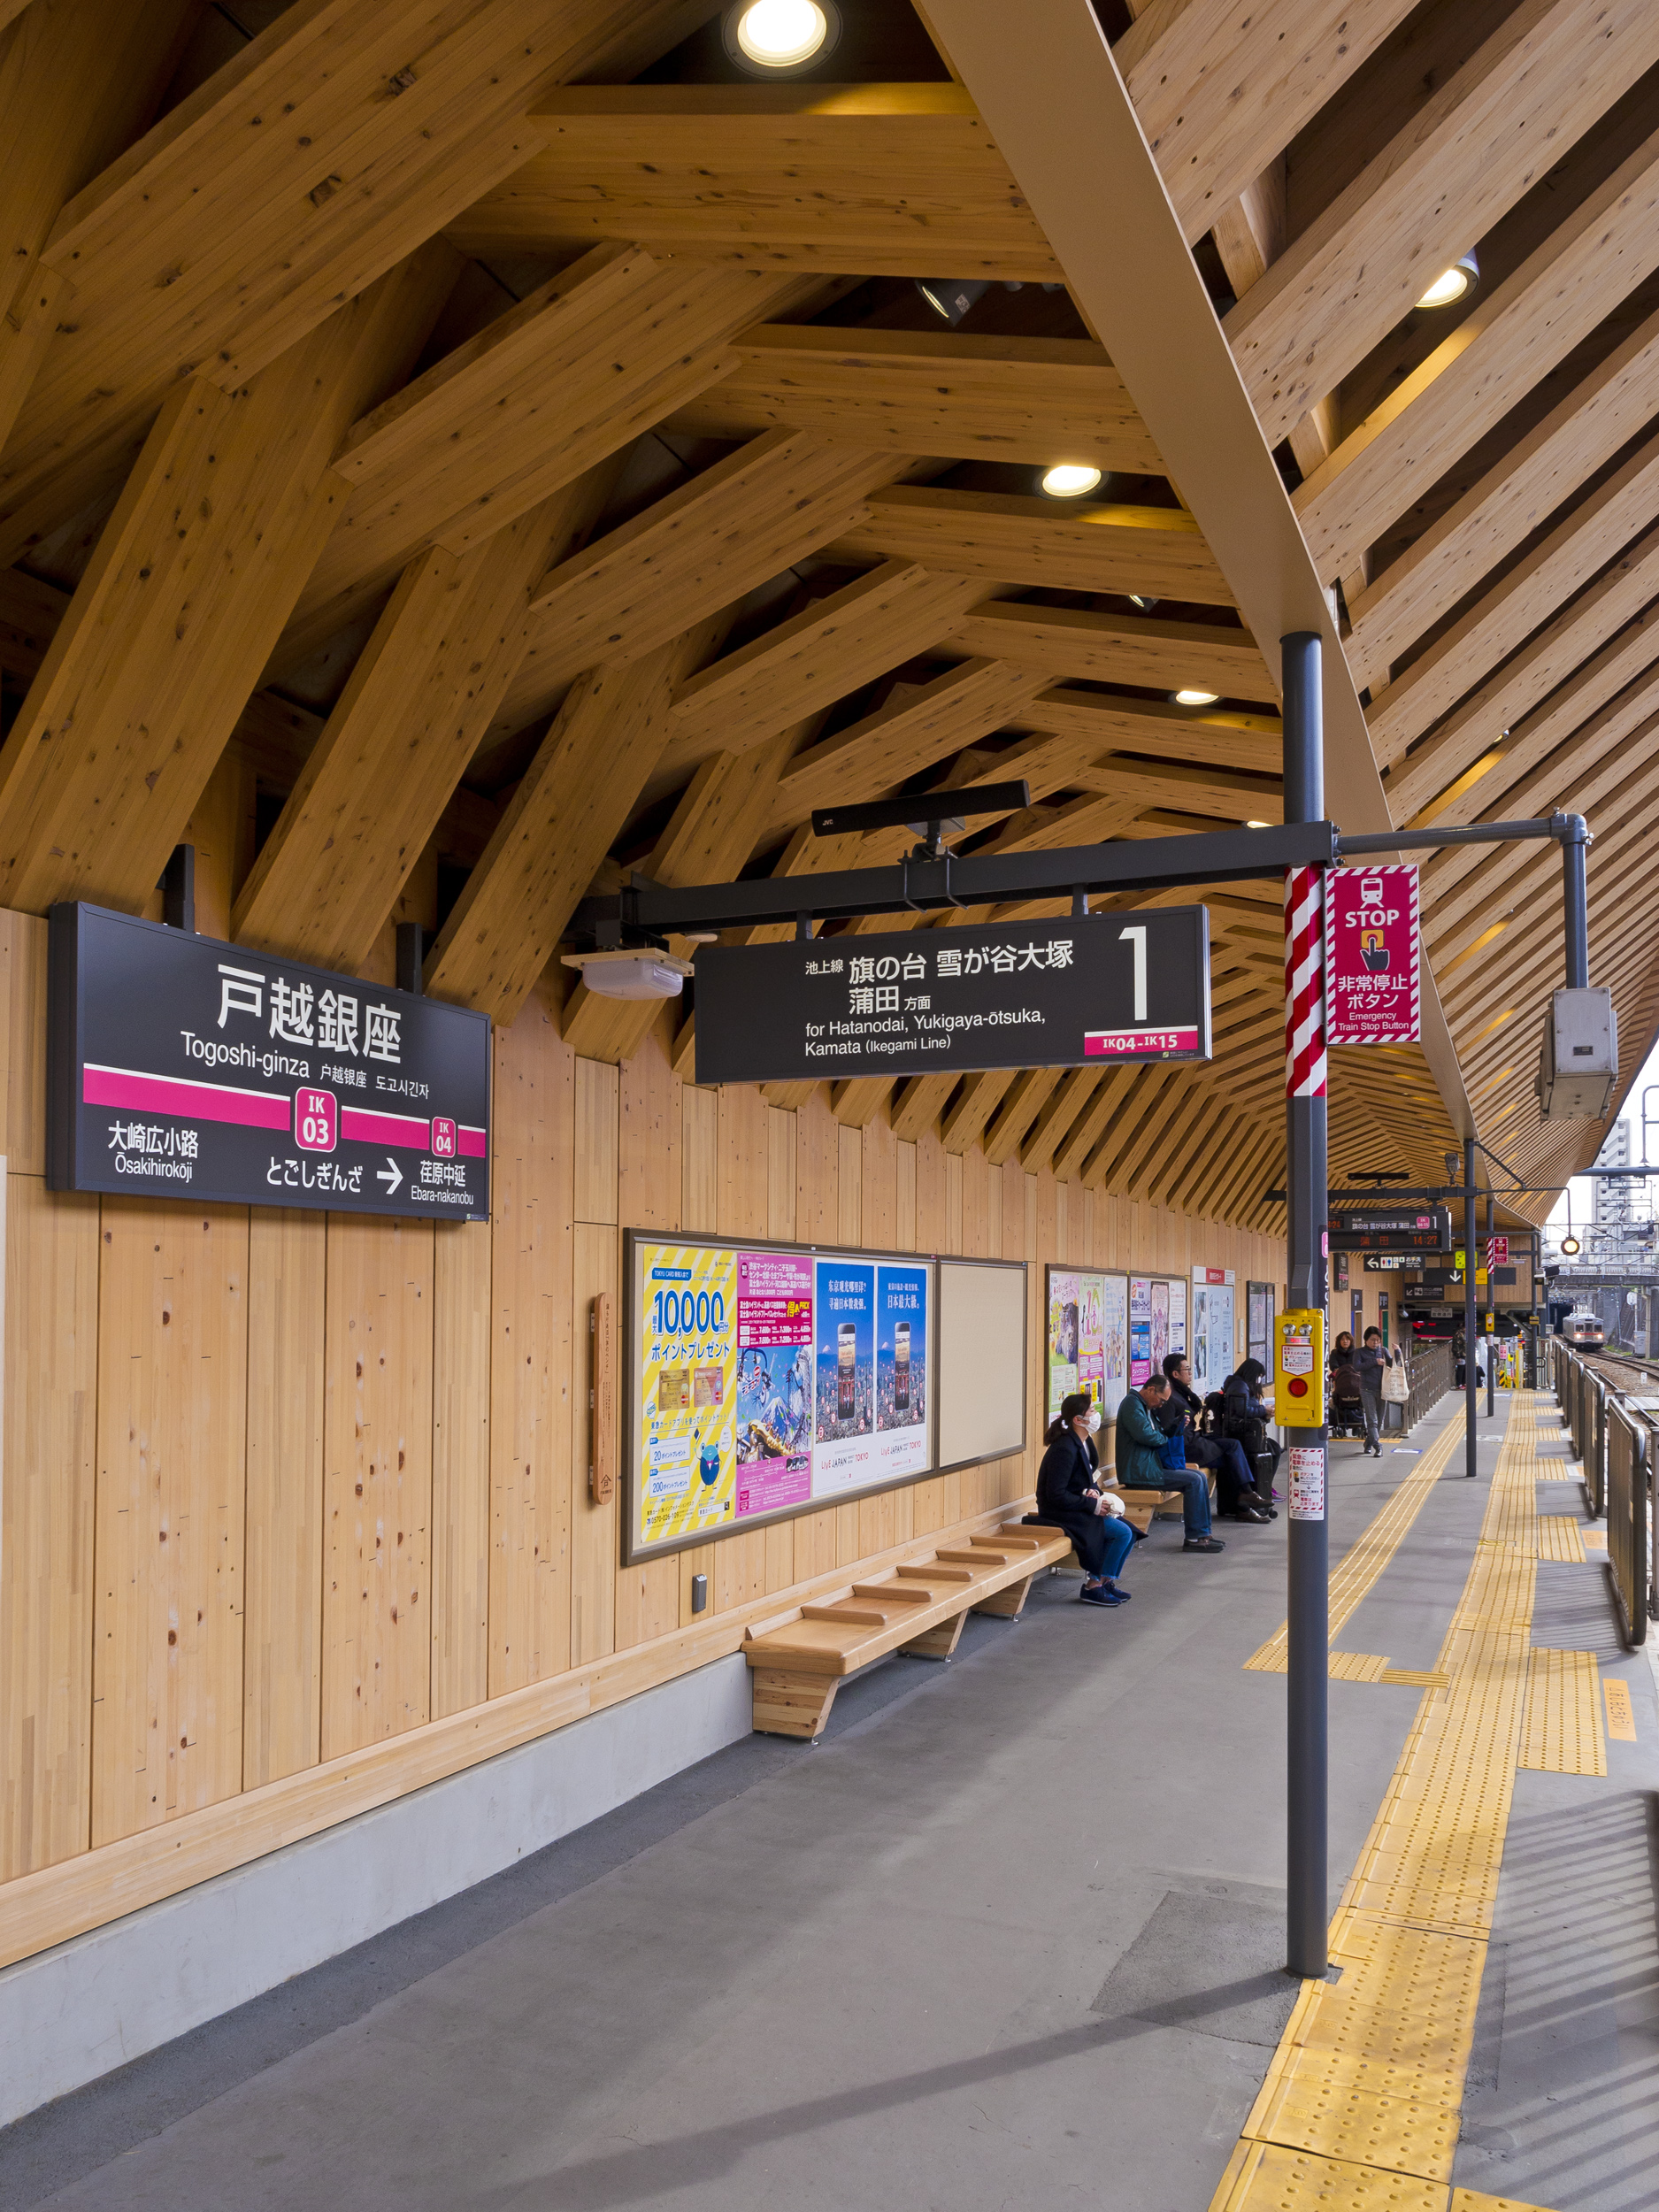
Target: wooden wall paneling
[[904, 1197], [597, 1140], [282, 1640], [639, 162], [47, 1498], [975, 1203], [780, 1175], [849, 1186], [594, 1527], [167, 1654], [1459, 162], [954, 393], [743, 1144], [952, 1202], [649, 1191], [23, 1099], [416, 707], [699, 1159], [460, 1547], [879, 1186], [377, 1463], [817, 1171], [532, 1260], [168, 631], [553, 833]]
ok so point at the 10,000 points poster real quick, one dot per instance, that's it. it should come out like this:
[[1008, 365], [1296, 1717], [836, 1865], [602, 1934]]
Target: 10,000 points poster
[[687, 1350]]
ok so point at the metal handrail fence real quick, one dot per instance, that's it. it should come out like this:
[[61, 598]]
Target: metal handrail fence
[[1429, 1370], [1615, 1440]]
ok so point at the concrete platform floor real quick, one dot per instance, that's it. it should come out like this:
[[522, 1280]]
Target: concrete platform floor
[[1008, 1937]]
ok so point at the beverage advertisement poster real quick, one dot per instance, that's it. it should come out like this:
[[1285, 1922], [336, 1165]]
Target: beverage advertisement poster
[[1091, 1350], [1062, 1339], [1177, 1316], [1198, 1351], [1114, 1340], [687, 1475], [843, 1453], [901, 1370], [1160, 1325], [1140, 1328], [774, 1381]]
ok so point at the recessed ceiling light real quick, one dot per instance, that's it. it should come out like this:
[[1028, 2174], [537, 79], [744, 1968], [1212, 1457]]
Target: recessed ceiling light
[[952, 297], [1191, 698], [1069, 480], [1258, 826], [770, 35], [1453, 284]]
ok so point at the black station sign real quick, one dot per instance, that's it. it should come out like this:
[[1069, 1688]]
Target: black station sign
[[1095, 990], [1401, 1229], [178, 1067]]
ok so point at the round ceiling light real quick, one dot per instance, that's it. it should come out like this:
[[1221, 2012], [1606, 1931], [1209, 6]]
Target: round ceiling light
[[770, 35], [1192, 698], [1068, 480], [1453, 284]]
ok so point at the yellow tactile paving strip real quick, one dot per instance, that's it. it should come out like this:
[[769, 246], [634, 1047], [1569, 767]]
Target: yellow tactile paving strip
[[1564, 1714], [1361, 2104], [1360, 1568], [1560, 1538]]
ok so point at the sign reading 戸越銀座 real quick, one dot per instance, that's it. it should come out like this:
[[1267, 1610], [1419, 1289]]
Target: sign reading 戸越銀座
[[1371, 953], [181, 1067]]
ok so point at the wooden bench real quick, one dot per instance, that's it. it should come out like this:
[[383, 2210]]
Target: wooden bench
[[920, 1608]]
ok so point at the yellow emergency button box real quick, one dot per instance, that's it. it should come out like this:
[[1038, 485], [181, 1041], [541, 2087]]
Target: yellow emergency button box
[[1299, 1369]]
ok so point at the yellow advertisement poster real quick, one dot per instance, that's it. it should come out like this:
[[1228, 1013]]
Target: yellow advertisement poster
[[688, 1373]]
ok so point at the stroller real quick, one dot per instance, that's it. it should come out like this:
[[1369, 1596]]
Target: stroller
[[1347, 1414]]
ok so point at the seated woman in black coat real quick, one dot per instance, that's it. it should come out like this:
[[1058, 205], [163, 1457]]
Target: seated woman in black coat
[[1069, 1494]]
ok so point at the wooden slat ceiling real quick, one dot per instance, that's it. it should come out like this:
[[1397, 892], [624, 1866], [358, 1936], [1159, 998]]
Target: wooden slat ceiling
[[487, 445]]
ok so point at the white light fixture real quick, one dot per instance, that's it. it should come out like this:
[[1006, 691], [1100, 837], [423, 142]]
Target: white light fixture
[[1570, 1245], [952, 297], [631, 974], [1453, 284], [1069, 480], [769, 36], [1258, 826], [1191, 698]]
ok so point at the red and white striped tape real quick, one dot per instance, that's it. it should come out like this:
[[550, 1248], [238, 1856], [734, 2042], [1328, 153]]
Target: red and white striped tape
[[1304, 983]]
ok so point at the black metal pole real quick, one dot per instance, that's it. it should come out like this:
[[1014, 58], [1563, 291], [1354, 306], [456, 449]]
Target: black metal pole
[[1491, 1293], [1307, 1660], [1470, 1444], [1575, 837]]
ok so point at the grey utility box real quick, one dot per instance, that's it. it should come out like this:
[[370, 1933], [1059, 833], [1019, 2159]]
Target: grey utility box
[[1579, 1065]]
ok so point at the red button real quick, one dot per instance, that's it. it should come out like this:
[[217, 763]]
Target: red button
[[1296, 1386]]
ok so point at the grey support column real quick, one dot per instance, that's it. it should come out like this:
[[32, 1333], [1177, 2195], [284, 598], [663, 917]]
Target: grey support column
[[1469, 1315], [1308, 1610]]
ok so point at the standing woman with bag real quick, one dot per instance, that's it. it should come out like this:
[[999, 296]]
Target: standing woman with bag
[[1376, 1370]]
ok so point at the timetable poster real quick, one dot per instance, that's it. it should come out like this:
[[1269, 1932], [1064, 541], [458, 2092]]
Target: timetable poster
[[844, 1452], [774, 1381], [1114, 1341], [1139, 1329], [687, 1397], [1160, 1325], [901, 1370], [1062, 1339], [1178, 1317], [1091, 1350], [1198, 1357]]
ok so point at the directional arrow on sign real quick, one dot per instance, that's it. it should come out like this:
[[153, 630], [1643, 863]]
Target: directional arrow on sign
[[389, 1175]]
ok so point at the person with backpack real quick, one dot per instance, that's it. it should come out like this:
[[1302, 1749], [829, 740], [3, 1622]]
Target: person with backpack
[[1235, 1484], [1149, 1460], [1070, 1495]]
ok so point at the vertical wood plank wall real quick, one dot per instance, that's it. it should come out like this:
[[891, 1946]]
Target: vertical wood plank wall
[[281, 1486]]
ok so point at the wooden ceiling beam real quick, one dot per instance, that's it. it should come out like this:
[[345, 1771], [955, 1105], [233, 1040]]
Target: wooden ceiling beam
[[1068, 1099], [1100, 724], [1579, 435], [1555, 657], [569, 377], [374, 787], [1529, 592], [1085, 1132], [919, 1104], [1030, 400], [891, 180], [1508, 341], [831, 648], [1545, 75], [1155, 550], [1220, 90], [736, 526], [1139, 783], [164, 638], [910, 733], [981, 1096], [1021, 1104], [1076, 642], [562, 821]]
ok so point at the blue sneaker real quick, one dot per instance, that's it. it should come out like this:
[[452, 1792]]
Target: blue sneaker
[[1097, 1594]]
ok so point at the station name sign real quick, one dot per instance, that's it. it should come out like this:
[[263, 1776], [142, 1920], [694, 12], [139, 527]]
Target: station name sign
[[179, 1067], [1088, 991], [1410, 1229]]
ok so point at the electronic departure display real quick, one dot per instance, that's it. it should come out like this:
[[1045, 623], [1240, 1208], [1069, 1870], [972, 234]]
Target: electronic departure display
[[1399, 1229]]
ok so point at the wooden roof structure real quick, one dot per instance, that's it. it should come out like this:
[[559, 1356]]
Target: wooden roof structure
[[451, 452]]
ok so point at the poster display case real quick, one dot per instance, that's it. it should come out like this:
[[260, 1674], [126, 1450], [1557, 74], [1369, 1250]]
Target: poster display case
[[1104, 1332]]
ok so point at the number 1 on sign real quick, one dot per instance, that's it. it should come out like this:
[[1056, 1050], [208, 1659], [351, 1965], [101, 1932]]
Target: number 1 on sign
[[1137, 938]]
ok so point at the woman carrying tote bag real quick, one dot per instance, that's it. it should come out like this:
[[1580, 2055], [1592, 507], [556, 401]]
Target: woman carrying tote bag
[[1382, 1376]]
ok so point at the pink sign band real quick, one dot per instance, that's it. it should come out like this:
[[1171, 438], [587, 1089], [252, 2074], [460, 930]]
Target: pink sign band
[[1111, 1043], [138, 1093]]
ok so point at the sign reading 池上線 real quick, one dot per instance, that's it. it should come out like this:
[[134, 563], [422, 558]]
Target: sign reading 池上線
[[1073, 993], [179, 1067], [1372, 978]]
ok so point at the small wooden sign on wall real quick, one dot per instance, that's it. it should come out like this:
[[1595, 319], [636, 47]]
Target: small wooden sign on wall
[[601, 1400]]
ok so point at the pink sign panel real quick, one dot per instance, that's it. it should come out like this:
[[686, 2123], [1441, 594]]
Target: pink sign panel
[[1371, 956], [774, 1381]]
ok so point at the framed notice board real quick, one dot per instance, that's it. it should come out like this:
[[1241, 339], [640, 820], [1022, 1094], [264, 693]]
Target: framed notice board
[[763, 1381]]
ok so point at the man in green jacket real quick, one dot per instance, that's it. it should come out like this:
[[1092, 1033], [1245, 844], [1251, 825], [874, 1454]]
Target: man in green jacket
[[1140, 1463]]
